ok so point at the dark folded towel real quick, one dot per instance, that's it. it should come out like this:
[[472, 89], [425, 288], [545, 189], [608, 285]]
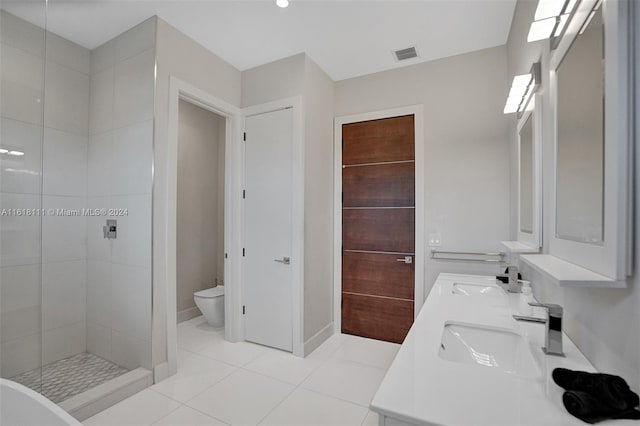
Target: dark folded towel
[[613, 391], [590, 409]]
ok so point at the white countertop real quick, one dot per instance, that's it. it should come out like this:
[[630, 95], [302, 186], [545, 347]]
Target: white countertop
[[422, 388]]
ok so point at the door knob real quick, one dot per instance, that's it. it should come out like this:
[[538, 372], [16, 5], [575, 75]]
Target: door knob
[[285, 260], [406, 259]]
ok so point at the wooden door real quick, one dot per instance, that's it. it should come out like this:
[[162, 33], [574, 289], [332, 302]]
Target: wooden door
[[378, 228]]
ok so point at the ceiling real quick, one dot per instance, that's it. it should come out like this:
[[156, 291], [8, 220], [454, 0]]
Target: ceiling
[[346, 38]]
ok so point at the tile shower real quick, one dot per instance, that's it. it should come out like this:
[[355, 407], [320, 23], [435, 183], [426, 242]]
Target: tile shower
[[77, 128]]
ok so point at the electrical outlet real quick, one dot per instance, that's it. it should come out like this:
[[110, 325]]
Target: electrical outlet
[[435, 240]]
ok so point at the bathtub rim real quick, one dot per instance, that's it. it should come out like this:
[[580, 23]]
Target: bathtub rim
[[53, 407]]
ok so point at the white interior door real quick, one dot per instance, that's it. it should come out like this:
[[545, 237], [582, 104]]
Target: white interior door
[[268, 229]]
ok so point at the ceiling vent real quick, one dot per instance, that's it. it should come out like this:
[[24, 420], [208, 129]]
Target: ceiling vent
[[404, 54]]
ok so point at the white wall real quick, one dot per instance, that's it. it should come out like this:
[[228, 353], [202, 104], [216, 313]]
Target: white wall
[[601, 322], [120, 177], [466, 146], [200, 228], [276, 80], [43, 307], [298, 75], [318, 101], [179, 56]]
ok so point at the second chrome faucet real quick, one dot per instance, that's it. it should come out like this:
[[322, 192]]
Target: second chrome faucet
[[511, 278], [553, 327]]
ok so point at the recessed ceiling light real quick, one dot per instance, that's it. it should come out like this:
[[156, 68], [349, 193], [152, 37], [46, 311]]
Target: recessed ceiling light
[[282, 3]]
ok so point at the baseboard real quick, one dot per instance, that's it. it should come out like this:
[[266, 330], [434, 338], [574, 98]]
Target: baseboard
[[187, 314], [103, 396], [317, 339], [161, 372]]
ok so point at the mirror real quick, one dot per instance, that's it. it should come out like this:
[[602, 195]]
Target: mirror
[[590, 94], [526, 175], [529, 175], [580, 137]]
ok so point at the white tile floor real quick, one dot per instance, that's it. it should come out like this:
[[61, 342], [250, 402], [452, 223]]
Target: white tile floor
[[222, 383]]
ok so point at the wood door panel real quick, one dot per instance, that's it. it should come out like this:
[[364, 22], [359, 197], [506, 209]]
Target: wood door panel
[[389, 139], [377, 274], [379, 230], [375, 317], [388, 185], [378, 227]]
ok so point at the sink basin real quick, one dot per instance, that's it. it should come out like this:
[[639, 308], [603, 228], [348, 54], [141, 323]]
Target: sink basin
[[502, 350], [480, 290]]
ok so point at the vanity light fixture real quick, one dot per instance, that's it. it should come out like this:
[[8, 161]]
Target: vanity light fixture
[[16, 153], [590, 17], [522, 88], [550, 19], [282, 3], [3, 151]]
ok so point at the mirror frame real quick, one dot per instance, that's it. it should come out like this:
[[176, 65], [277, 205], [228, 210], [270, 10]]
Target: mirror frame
[[533, 110], [612, 258]]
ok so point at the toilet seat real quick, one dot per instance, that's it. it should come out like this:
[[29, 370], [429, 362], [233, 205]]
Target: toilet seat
[[210, 292]]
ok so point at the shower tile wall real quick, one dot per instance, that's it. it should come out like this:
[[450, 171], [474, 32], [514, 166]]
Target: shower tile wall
[[20, 338], [49, 324], [64, 289], [22, 51], [119, 177], [64, 177]]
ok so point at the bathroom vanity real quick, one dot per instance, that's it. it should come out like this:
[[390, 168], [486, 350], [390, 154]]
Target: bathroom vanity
[[466, 361]]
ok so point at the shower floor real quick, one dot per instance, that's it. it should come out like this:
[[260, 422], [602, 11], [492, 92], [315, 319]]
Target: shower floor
[[70, 376]]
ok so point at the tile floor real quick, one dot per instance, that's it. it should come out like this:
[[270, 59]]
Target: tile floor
[[222, 383]]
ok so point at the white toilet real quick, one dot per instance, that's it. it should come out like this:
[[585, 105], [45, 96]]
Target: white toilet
[[211, 304]]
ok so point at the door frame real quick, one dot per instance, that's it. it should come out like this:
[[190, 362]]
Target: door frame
[[297, 242], [419, 261], [181, 90]]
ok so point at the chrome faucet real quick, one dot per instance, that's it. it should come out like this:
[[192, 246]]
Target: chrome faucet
[[553, 335], [513, 284]]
